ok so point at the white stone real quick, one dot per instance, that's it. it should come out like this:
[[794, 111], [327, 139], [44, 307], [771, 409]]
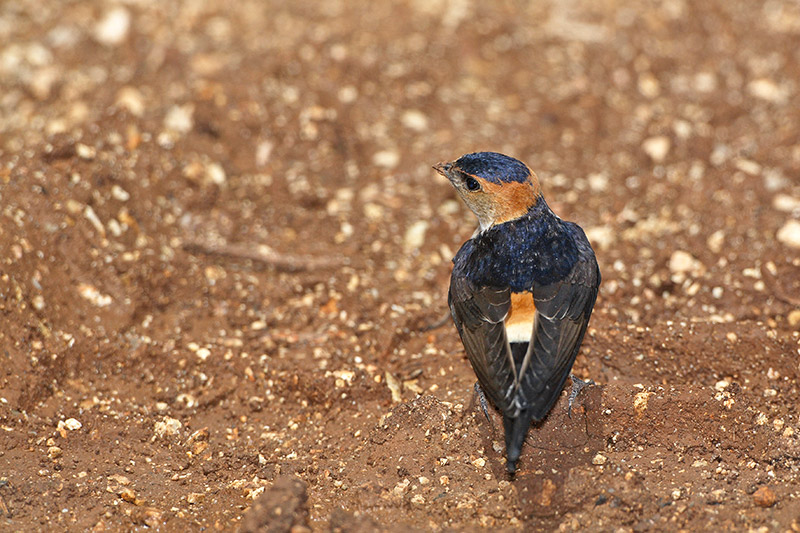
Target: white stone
[[715, 241], [414, 119], [705, 82], [657, 147], [131, 99], [682, 262], [599, 459], [386, 158], [768, 90], [598, 181], [415, 235], [119, 193], [789, 234], [263, 151], [785, 203], [216, 174], [72, 424], [601, 236], [114, 27], [180, 118], [167, 427], [90, 293], [748, 166]]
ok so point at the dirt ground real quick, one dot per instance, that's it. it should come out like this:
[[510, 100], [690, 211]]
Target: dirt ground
[[221, 243]]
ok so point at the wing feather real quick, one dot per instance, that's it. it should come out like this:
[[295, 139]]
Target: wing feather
[[562, 314], [479, 314]]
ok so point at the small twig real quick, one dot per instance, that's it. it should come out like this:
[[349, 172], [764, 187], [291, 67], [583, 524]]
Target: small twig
[[776, 290], [264, 254], [436, 325]]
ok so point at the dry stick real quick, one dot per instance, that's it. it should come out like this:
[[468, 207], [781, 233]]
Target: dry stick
[[264, 254], [776, 290], [445, 318]]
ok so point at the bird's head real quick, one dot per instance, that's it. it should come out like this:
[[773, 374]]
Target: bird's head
[[496, 187]]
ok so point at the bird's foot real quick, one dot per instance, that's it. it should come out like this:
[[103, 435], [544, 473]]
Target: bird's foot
[[577, 386]]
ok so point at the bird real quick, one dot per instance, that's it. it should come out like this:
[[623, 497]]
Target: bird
[[521, 291]]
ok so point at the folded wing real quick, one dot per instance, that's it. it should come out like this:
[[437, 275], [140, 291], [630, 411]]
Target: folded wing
[[563, 309], [479, 314]]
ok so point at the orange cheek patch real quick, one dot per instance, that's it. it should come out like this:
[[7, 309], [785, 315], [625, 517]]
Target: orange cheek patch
[[512, 200]]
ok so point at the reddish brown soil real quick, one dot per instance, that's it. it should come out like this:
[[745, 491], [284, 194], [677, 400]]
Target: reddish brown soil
[[221, 239]]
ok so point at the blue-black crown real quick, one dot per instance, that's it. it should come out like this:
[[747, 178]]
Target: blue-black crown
[[494, 167]]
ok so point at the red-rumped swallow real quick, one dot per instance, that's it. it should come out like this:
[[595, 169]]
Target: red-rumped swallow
[[521, 293]]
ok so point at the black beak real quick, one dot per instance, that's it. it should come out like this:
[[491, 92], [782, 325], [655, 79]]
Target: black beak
[[443, 169]]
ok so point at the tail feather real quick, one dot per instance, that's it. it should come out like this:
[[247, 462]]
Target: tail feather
[[516, 429]]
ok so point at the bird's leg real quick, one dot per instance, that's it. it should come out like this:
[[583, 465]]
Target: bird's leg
[[484, 404], [577, 386]]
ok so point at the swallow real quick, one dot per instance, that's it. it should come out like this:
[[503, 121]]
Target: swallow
[[521, 292]]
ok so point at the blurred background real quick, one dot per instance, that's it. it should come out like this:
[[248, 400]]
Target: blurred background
[[222, 217]]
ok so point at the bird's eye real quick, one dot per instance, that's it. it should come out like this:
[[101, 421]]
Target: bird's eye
[[472, 184]]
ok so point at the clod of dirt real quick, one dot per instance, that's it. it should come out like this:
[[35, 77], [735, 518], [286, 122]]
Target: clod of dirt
[[282, 508], [342, 521]]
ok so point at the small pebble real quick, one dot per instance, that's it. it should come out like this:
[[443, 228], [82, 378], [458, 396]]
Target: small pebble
[[119, 193], [764, 497], [167, 427], [386, 159], [215, 174], [180, 118], [72, 424], [657, 147], [415, 235], [768, 90], [601, 236], [715, 241], [415, 120], [640, 402], [85, 151], [113, 29], [785, 203], [683, 262], [789, 234], [94, 296], [131, 99]]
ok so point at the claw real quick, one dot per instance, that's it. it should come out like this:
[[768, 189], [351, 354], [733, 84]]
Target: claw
[[577, 386]]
